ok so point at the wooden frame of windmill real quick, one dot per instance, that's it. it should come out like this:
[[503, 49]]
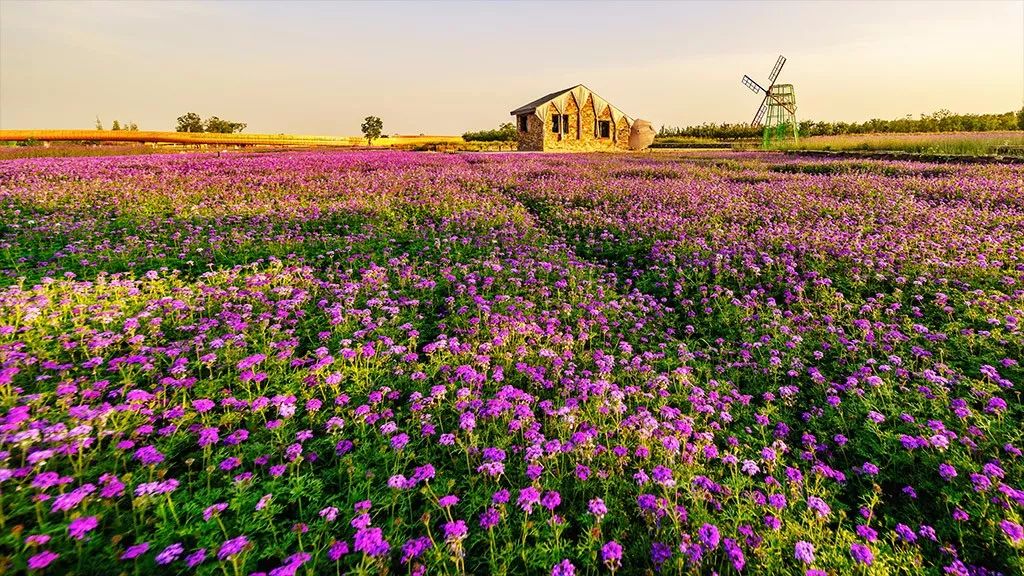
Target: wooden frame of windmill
[[777, 112]]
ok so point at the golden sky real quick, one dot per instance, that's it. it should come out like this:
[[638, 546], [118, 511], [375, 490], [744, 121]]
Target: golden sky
[[448, 67]]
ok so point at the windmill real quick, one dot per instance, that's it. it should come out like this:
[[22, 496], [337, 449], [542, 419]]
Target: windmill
[[777, 112]]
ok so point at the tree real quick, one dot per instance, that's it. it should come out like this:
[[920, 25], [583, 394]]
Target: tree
[[372, 128], [1020, 119], [99, 125], [190, 122], [215, 124], [132, 127], [505, 133], [116, 125]]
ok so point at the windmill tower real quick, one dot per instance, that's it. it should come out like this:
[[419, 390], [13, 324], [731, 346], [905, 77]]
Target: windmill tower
[[777, 112]]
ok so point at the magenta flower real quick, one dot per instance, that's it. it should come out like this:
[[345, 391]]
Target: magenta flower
[[370, 541], [804, 552], [232, 547], [170, 553], [81, 526], [947, 472], [551, 500], [563, 568], [861, 553], [196, 558], [42, 560], [337, 550], [709, 536], [528, 497], [135, 551], [611, 554], [1013, 531]]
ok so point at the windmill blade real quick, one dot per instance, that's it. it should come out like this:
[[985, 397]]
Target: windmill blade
[[754, 86], [760, 112], [776, 70]]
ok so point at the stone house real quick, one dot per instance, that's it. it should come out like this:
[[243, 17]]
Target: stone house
[[574, 119]]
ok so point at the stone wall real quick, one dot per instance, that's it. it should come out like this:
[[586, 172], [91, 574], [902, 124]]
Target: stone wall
[[587, 116], [551, 139], [622, 131], [581, 135], [584, 120], [533, 139]]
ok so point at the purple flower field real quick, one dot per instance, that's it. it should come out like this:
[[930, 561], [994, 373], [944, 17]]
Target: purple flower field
[[368, 363]]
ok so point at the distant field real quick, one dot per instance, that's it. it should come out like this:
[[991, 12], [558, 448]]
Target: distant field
[[216, 139], [967, 143]]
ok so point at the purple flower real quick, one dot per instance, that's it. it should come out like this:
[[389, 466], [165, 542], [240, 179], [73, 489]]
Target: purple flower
[[611, 554], [563, 568], [214, 510], [149, 455], [1013, 531], [551, 500], [861, 553], [170, 554], [905, 532], [735, 554], [448, 501], [79, 527], [947, 472], [42, 560], [370, 541], [528, 497], [330, 513], [709, 536], [660, 553], [414, 548], [663, 475], [135, 551], [490, 518], [804, 552], [196, 558], [819, 506], [455, 531], [232, 547], [337, 550], [597, 508], [250, 361]]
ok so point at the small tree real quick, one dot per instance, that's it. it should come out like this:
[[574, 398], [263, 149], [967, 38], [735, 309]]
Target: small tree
[[215, 124], [1020, 118], [372, 128], [132, 127], [116, 125], [99, 125], [190, 122]]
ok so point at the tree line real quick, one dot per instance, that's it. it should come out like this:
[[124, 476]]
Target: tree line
[[191, 122], [116, 125], [504, 133], [941, 121]]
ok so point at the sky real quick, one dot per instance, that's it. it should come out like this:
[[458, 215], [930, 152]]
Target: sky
[[448, 67]]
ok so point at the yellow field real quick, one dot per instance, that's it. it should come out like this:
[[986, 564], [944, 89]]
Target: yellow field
[[219, 139]]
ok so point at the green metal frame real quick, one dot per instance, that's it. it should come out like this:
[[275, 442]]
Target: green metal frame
[[780, 121]]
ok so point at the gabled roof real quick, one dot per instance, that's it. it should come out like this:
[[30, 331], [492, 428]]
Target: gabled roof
[[580, 92], [527, 108]]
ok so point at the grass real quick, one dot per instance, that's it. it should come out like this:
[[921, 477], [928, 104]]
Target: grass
[[959, 143]]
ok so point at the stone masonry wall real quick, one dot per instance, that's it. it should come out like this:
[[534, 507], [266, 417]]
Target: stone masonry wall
[[587, 121], [580, 136], [586, 142], [533, 139], [622, 142]]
